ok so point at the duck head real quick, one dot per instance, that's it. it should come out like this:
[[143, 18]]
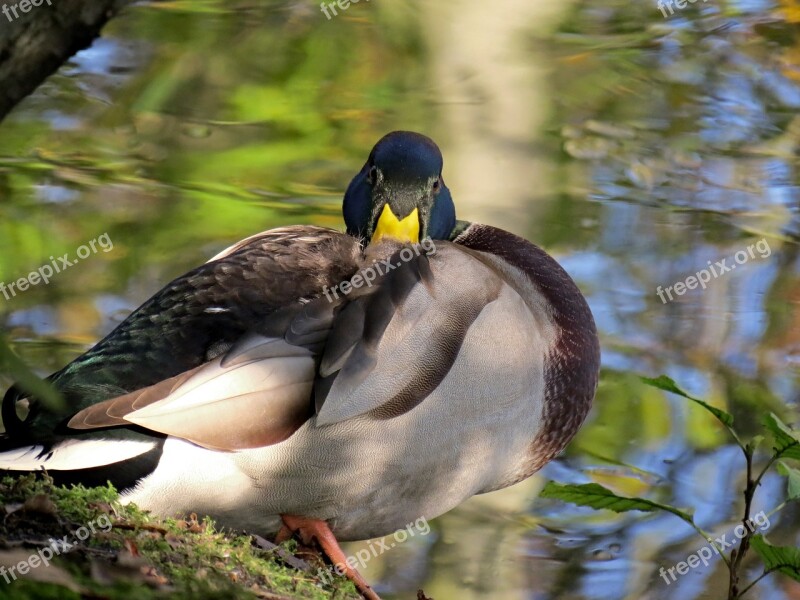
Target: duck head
[[399, 193]]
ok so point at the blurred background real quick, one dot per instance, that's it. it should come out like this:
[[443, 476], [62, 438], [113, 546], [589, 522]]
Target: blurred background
[[632, 146]]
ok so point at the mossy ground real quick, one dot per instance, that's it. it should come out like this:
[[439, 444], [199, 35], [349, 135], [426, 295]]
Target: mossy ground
[[133, 554]]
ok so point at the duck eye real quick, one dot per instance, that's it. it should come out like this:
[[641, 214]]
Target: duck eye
[[372, 176], [437, 184]]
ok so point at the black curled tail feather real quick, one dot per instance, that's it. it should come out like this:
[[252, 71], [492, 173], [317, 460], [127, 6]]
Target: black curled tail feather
[[13, 425]]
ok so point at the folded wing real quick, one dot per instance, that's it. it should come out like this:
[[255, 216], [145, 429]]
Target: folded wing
[[380, 352], [255, 395]]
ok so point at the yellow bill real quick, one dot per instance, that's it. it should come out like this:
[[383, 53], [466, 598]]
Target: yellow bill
[[389, 226]]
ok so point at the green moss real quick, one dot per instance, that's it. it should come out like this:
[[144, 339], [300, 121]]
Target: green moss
[[24, 589], [134, 554]]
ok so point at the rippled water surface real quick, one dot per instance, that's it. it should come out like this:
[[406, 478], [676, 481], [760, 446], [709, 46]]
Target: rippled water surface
[[637, 149]]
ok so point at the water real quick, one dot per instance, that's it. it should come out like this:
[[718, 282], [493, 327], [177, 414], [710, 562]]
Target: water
[[634, 148]]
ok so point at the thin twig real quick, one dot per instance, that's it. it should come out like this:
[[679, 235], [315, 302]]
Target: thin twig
[[755, 581], [737, 555]]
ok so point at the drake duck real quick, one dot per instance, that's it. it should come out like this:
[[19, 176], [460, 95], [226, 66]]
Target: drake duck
[[326, 384]]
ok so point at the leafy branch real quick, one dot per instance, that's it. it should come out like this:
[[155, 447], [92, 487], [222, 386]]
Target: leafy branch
[[786, 445]]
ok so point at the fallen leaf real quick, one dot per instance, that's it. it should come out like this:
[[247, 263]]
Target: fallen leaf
[[190, 524], [103, 507], [13, 507], [129, 566], [40, 503], [51, 574], [130, 548]]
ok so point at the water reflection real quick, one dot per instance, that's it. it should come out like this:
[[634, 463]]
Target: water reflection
[[634, 148]]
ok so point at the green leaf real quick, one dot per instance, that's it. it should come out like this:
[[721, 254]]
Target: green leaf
[[787, 442], [11, 364], [663, 382], [785, 559], [755, 443], [792, 480], [596, 496]]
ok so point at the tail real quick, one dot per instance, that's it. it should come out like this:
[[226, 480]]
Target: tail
[[12, 424], [121, 457]]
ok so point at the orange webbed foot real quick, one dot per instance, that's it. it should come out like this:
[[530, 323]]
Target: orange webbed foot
[[310, 530]]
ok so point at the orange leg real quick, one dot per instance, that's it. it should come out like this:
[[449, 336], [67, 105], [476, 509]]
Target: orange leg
[[314, 529]]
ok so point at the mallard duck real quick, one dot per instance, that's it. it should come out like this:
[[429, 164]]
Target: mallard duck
[[326, 384]]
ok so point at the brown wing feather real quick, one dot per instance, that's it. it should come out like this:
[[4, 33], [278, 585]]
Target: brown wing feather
[[257, 394], [111, 413]]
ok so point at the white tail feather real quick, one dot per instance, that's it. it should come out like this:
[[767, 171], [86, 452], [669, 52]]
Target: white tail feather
[[73, 454]]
